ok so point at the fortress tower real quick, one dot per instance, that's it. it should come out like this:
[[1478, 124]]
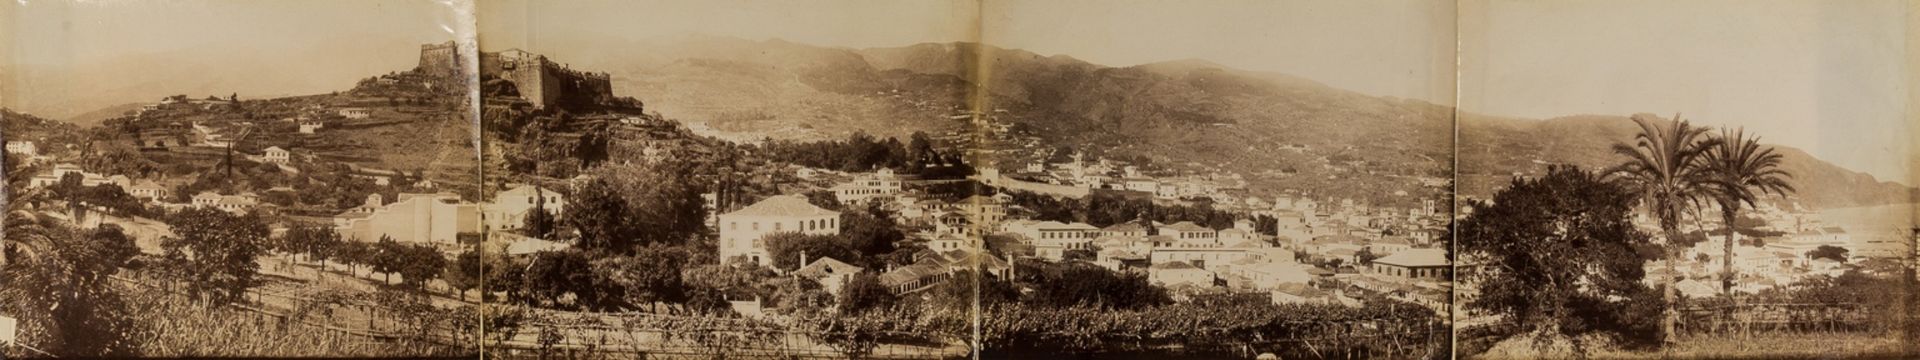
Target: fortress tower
[[440, 60], [545, 83]]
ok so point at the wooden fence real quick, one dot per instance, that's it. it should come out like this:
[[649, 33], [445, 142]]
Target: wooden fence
[[1776, 317]]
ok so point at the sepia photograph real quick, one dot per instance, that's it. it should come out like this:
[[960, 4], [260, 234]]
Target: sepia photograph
[[781, 180], [1694, 179], [239, 179], [968, 179]]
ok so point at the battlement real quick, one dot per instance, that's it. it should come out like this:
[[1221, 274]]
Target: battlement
[[544, 82], [440, 60]]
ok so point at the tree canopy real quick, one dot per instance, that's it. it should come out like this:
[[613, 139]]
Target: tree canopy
[[1559, 254], [214, 252]]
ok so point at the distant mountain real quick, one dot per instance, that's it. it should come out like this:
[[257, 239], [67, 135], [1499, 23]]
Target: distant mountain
[[777, 89], [1190, 114], [1492, 149]]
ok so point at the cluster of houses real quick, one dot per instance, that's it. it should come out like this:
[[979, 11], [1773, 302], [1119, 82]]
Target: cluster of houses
[[1226, 189], [146, 190], [60, 171], [1762, 263], [1386, 251]]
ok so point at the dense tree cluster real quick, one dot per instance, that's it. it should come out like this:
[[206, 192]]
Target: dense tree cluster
[[417, 264], [1561, 256], [213, 253], [861, 152], [59, 289], [1105, 208], [1080, 284]]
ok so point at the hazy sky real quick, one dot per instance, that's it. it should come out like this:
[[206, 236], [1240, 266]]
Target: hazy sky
[[1401, 48], [105, 52], [559, 26], [1830, 77]]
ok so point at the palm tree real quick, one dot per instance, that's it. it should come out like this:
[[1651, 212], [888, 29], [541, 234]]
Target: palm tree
[[1742, 171], [1664, 168], [25, 232]]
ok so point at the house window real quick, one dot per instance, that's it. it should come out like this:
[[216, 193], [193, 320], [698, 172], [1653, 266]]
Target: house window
[[776, 226], [756, 226]]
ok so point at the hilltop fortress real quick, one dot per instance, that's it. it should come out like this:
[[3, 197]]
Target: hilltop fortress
[[540, 82]]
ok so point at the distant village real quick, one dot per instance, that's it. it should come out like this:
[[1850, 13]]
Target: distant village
[[1310, 253]]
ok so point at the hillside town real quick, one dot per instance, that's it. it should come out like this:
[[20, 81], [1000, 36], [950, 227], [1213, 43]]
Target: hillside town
[[780, 180], [367, 189]]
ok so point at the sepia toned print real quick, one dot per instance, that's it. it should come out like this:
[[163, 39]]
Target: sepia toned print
[[239, 179], [986, 179], [1685, 180]]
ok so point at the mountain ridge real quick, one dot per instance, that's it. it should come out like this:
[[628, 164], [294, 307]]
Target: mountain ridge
[[1189, 110]]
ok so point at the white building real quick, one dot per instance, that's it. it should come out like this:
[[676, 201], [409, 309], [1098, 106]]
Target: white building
[[509, 208], [148, 190], [276, 155], [60, 171], [229, 203], [741, 231], [1416, 264], [437, 218], [25, 148], [356, 113], [866, 186], [832, 274], [1179, 272], [1188, 231], [944, 242], [311, 126], [1143, 185]]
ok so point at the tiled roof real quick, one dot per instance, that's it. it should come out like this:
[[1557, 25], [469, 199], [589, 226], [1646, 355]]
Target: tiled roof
[[1079, 226], [908, 274], [1186, 226], [1415, 258], [784, 205], [826, 266]]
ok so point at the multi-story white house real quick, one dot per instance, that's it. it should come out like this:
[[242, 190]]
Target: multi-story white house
[[509, 208], [1188, 231], [229, 203], [880, 184], [276, 155], [984, 210], [437, 218], [24, 148], [148, 190], [741, 231]]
